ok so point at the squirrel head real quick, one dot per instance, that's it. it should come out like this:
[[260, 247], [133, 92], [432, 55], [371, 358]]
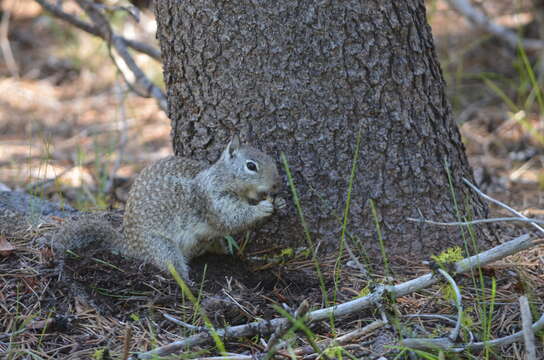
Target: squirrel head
[[254, 173]]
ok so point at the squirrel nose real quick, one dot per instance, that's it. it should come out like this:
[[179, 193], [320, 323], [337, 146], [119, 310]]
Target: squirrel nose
[[262, 195], [274, 188]]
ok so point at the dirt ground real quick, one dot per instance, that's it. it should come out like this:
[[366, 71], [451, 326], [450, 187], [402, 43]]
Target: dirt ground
[[71, 131]]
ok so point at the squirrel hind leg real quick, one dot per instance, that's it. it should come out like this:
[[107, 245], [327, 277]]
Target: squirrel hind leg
[[166, 254], [218, 246]]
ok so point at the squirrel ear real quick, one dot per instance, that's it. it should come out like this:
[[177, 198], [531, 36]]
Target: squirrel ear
[[233, 146]]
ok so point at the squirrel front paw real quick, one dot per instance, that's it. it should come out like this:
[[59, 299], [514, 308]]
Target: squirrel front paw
[[279, 203], [265, 208]]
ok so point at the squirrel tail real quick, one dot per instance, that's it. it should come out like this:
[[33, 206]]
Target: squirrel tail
[[90, 232]]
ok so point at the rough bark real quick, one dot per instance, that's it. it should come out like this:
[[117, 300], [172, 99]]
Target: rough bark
[[304, 77]]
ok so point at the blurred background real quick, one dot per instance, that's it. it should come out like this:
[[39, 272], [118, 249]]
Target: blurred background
[[72, 130]]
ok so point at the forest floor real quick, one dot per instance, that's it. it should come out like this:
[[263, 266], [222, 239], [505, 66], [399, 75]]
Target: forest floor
[[71, 132]]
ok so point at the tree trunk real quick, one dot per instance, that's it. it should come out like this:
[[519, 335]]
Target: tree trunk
[[304, 78]]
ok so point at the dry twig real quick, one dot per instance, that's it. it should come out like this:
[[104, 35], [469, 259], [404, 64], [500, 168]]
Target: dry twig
[[270, 348], [126, 343], [268, 326], [477, 17], [184, 324], [478, 221], [444, 342], [91, 29], [228, 357], [501, 204], [528, 333], [142, 86], [447, 345], [101, 27], [344, 339], [7, 53], [455, 331]]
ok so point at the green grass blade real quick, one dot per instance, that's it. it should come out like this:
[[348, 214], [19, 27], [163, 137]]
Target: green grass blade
[[185, 289], [346, 215], [309, 240], [388, 272]]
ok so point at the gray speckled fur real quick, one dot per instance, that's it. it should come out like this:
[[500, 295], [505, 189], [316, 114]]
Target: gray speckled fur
[[177, 206]]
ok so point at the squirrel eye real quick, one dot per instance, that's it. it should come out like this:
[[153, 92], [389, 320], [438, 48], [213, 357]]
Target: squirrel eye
[[251, 166]]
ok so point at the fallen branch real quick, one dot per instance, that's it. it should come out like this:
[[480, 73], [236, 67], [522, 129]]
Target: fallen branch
[[443, 342], [528, 333], [511, 247], [478, 221], [228, 357], [454, 334], [271, 347], [184, 324], [446, 344], [344, 339], [537, 326], [268, 326], [477, 17], [431, 316]]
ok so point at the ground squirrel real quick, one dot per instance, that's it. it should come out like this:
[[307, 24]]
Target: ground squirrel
[[177, 207]]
